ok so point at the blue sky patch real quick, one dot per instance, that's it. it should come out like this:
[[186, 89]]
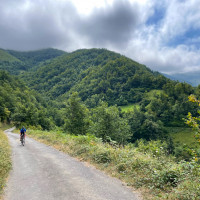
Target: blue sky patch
[[188, 38], [158, 15]]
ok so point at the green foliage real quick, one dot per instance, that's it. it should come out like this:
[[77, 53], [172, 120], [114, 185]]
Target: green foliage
[[99, 74], [33, 58], [144, 125], [108, 125], [184, 135], [5, 160], [4, 56], [194, 123], [21, 105], [183, 152], [129, 107], [76, 116], [96, 74], [102, 156], [9, 62], [170, 105], [17, 62]]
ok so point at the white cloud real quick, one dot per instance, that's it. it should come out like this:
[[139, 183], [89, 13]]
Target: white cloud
[[86, 7], [119, 25], [156, 47]]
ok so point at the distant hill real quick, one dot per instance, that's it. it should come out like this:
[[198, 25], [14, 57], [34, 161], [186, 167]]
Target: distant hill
[[6, 57], [17, 62], [192, 78], [35, 57], [95, 74], [10, 63]]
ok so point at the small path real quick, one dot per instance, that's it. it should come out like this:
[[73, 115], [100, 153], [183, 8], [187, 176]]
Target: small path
[[41, 172]]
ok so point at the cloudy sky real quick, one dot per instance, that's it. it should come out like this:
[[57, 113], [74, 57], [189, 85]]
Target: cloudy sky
[[162, 34]]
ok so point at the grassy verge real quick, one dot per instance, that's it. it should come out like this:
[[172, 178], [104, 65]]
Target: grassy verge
[[146, 166], [4, 127], [5, 158]]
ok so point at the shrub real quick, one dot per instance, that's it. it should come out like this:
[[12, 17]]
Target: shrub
[[183, 152], [102, 156], [156, 148], [82, 149]]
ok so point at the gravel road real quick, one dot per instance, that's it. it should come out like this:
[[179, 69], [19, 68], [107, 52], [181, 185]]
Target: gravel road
[[41, 172]]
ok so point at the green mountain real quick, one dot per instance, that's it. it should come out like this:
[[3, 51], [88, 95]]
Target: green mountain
[[10, 63], [95, 74], [33, 58], [192, 78], [17, 62], [6, 57], [102, 75], [99, 74]]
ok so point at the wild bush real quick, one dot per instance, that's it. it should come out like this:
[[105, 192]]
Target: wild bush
[[103, 155]]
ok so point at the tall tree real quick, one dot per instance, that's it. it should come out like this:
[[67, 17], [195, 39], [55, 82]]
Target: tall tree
[[76, 117], [107, 123]]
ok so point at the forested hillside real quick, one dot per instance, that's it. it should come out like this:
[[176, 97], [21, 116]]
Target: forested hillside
[[101, 75], [9, 62], [4, 56], [33, 58], [95, 74], [21, 105]]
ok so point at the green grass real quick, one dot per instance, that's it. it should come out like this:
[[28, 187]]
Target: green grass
[[129, 107], [146, 166], [4, 127], [150, 95], [182, 135], [5, 159]]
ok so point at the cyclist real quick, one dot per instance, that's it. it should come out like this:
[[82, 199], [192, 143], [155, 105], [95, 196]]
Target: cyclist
[[22, 133]]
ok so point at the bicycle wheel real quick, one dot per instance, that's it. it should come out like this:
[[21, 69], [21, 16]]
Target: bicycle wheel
[[23, 141]]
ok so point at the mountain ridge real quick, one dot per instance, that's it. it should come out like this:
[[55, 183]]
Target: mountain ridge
[[17, 62], [95, 72], [191, 78]]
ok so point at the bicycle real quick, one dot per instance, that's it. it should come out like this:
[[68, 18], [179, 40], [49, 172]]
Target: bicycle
[[23, 139]]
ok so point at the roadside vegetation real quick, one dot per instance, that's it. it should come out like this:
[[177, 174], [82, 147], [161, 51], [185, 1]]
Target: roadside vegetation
[[144, 165], [5, 158]]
